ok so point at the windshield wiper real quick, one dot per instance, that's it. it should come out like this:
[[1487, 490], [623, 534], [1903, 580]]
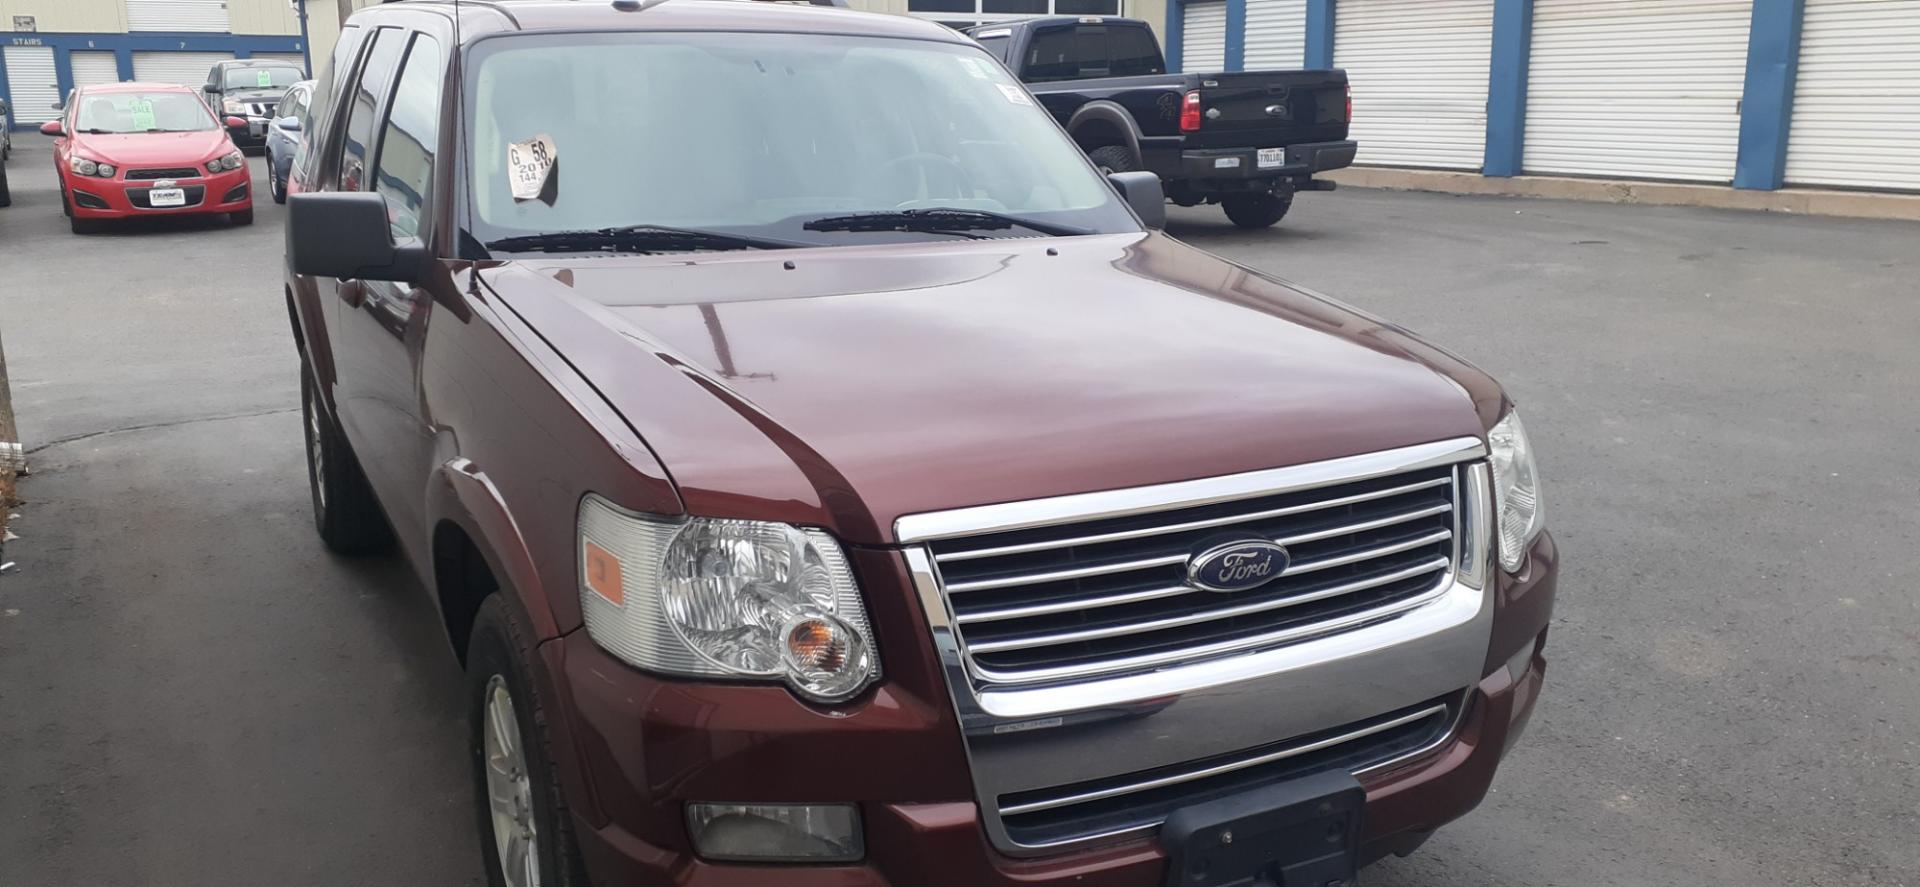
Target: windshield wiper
[[937, 220], [633, 238]]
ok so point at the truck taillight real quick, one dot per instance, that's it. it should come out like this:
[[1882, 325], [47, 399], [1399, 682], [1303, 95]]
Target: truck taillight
[[1349, 103], [1190, 113]]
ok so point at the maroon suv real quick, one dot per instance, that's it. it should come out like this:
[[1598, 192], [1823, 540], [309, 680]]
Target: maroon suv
[[827, 477]]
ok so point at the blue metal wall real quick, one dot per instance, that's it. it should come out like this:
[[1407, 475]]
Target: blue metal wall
[[1773, 58], [123, 46]]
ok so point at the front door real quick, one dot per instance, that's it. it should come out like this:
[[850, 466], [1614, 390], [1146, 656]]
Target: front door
[[392, 134]]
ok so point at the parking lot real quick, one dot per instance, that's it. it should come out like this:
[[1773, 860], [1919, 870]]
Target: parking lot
[[193, 692]]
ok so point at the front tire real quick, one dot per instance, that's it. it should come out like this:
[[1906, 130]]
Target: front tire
[[82, 226], [277, 185], [344, 511], [243, 217], [6, 196], [1255, 211], [526, 832]]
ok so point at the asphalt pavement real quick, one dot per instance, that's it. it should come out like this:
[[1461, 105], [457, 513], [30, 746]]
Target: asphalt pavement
[[193, 692]]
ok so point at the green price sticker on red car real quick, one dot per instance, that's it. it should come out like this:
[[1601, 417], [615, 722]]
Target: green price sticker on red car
[[142, 115]]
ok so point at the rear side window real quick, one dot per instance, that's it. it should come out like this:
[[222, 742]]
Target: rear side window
[[1133, 53], [412, 135], [1050, 56], [364, 101]]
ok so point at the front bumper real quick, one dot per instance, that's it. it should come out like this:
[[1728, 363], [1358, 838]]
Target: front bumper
[[93, 198], [641, 747]]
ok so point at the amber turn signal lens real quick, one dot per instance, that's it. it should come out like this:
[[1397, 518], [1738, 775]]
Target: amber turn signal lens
[[815, 644]]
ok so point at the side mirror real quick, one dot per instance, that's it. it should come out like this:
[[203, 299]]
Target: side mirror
[[1141, 190], [288, 124], [52, 128], [236, 122], [345, 234]]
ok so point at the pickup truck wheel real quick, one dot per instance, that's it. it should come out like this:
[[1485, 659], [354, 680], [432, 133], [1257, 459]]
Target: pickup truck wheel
[[526, 832], [1113, 158], [1256, 210], [6, 197], [344, 510]]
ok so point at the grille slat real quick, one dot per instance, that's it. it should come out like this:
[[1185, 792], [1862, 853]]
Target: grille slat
[[971, 554], [1108, 596], [982, 647]]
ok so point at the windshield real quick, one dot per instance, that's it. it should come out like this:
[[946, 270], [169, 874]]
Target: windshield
[[758, 134], [263, 78], [143, 112]]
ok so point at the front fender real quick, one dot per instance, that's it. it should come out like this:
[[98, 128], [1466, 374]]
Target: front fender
[[462, 494]]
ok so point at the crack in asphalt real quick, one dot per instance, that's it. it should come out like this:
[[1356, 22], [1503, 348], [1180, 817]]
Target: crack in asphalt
[[152, 425]]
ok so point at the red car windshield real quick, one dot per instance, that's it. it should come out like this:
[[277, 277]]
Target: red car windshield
[[122, 112]]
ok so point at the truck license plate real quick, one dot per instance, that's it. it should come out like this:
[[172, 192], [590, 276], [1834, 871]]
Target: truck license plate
[[1300, 833], [1272, 157], [167, 197]]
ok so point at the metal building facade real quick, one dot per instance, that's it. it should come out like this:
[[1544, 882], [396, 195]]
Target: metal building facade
[[1758, 94], [48, 47]]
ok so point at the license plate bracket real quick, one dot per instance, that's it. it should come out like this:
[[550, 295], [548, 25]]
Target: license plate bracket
[[1268, 158], [1301, 833], [167, 197]]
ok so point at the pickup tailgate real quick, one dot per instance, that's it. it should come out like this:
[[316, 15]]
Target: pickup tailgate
[[1270, 109]]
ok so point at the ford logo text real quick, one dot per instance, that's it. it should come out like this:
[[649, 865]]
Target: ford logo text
[[1236, 565]]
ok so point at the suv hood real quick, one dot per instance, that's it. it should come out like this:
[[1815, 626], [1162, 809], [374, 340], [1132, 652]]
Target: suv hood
[[867, 383]]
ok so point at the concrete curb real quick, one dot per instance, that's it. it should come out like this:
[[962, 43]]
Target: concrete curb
[[1802, 201]]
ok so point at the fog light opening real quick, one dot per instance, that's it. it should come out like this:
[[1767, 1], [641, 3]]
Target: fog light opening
[[776, 832]]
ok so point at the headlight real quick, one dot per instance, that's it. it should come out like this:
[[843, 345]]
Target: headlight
[[233, 107], [222, 164], [104, 170], [724, 598], [82, 166], [1516, 489]]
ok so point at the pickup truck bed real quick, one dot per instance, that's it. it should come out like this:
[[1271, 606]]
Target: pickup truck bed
[[1248, 140]]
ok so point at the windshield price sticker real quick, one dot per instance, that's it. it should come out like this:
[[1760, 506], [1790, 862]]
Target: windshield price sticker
[[1014, 94], [142, 114], [265, 78], [529, 163]]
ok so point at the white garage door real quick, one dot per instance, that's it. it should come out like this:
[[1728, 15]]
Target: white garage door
[[292, 58], [1203, 36], [94, 67], [177, 15], [1856, 105], [1419, 75], [189, 69], [1637, 88], [31, 79], [1276, 34]]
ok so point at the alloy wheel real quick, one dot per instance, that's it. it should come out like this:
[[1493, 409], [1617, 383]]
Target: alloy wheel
[[509, 790]]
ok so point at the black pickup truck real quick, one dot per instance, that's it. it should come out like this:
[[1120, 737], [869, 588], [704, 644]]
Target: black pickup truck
[[1246, 140]]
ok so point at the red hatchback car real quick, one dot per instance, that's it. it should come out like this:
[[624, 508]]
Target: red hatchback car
[[140, 149]]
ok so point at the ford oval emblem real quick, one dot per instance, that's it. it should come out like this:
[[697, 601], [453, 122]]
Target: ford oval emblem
[[1236, 565]]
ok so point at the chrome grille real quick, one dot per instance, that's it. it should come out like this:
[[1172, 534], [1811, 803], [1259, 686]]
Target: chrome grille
[[1109, 596]]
